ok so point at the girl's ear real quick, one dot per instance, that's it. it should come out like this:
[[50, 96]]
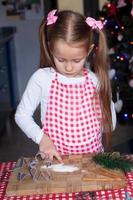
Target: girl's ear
[[90, 49]]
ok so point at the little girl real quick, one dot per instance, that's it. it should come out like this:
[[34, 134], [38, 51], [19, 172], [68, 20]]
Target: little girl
[[76, 106]]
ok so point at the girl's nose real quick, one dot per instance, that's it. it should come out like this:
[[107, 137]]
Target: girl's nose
[[68, 67]]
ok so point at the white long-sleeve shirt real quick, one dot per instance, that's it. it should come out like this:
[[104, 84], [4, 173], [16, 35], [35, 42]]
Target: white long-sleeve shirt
[[37, 92]]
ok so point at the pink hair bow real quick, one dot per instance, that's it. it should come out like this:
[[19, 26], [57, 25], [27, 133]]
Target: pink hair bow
[[51, 18], [94, 23]]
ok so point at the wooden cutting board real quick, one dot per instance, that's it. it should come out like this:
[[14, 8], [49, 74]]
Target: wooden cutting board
[[89, 177]]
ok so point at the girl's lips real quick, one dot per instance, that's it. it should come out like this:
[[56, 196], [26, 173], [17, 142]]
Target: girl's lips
[[68, 74], [72, 74]]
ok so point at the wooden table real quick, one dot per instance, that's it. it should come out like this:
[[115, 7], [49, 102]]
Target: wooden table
[[122, 194]]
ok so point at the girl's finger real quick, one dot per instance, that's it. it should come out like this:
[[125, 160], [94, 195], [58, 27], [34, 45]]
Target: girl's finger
[[58, 157], [51, 157], [44, 155]]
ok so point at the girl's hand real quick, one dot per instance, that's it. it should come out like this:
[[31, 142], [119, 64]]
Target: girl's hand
[[48, 149]]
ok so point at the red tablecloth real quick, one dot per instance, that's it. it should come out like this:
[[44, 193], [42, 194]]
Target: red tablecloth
[[99, 195]]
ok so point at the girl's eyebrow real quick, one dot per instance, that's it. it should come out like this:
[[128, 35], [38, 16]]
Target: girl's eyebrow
[[78, 58], [58, 57]]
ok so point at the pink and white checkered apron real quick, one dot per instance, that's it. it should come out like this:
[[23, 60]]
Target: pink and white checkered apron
[[73, 117]]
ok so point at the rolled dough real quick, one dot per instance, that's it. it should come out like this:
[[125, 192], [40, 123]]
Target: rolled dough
[[61, 168]]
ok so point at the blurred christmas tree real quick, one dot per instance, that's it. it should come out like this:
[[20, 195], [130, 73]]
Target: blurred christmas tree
[[117, 16]]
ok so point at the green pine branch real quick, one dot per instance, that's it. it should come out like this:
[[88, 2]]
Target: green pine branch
[[113, 161]]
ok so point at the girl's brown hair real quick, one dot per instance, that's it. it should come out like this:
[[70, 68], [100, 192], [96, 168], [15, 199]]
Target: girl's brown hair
[[72, 28]]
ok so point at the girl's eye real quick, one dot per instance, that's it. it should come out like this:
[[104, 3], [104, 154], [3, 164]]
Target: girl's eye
[[76, 61], [61, 60]]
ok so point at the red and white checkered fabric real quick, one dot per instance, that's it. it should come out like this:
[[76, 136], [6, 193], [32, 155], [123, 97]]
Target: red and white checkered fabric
[[99, 195], [73, 117]]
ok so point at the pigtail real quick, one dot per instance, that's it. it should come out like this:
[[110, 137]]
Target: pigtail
[[45, 56], [101, 69]]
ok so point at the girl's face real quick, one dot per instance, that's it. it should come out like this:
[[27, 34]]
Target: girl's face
[[69, 60]]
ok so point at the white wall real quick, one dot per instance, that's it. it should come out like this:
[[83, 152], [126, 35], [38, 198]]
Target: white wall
[[71, 4], [26, 47], [101, 3]]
